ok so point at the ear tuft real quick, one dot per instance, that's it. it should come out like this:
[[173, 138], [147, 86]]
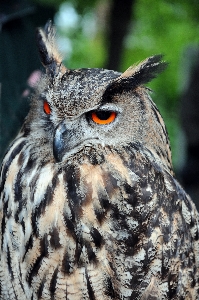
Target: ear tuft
[[146, 70], [137, 75], [50, 57]]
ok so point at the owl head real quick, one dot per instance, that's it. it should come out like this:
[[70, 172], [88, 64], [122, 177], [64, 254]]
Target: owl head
[[76, 109]]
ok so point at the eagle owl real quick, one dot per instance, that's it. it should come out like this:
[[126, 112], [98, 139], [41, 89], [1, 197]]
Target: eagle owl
[[89, 205]]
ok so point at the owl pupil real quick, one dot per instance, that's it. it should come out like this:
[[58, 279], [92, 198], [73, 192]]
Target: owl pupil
[[103, 115]]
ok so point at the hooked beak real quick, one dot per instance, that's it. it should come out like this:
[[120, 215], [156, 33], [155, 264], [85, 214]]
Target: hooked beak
[[69, 136]]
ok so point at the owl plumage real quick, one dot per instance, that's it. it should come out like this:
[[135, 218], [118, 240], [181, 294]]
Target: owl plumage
[[89, 205]]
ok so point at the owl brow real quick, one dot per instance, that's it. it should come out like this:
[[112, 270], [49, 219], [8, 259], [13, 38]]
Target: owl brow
[[117, 88]]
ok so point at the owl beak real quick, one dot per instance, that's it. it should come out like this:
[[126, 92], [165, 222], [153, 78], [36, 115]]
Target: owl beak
[[69, 136], [59, 145]]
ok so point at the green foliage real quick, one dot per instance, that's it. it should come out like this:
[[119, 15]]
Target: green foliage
[[86, 41], [83, 6], [162, 27]]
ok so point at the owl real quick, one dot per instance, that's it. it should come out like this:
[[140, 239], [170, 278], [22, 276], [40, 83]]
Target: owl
[[90, 207]]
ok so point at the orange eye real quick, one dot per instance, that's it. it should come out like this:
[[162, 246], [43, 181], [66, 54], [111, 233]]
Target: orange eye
[[103, 117], [47, 109]]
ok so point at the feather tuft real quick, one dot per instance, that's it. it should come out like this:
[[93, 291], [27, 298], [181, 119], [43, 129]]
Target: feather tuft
[[137, 75], [49, 54]]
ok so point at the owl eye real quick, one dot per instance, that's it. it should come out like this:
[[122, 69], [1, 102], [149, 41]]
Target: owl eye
[[103, 117], [46, 107]]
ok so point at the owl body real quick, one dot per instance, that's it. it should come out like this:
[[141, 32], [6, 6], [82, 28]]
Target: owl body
[[89, 205]]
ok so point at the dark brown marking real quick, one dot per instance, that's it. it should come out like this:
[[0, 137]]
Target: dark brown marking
[[30, 165], [53, 283], [38, 262], [100, 214], [28, 246], [91, 254], [78, 251], [9, 263], [3, 224], [97, 237], [21, 159], [66, 264], [72, 178], [35, 269], [89, 287], [172, 284], [47, 200], [54, 239], [70, 226], [41, 287], [109, 288], [103, 199]]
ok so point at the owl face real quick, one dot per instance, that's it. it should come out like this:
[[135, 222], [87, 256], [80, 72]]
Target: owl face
[[74, 109]]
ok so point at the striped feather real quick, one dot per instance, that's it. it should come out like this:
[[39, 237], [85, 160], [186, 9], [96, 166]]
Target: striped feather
[[93, 231]]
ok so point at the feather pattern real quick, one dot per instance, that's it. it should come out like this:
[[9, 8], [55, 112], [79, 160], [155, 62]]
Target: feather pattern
[[92, 231], [89, 210]]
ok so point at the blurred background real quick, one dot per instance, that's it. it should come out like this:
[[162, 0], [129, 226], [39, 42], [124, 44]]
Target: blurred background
[[111, 34]]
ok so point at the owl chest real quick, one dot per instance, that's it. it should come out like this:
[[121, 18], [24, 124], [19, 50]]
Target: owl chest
[[88, 230]]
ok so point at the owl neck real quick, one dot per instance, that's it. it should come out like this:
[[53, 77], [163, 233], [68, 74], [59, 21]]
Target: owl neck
[[155, 136]]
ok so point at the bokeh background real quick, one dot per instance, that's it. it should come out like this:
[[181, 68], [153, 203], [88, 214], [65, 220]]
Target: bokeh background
[[110, 34]]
